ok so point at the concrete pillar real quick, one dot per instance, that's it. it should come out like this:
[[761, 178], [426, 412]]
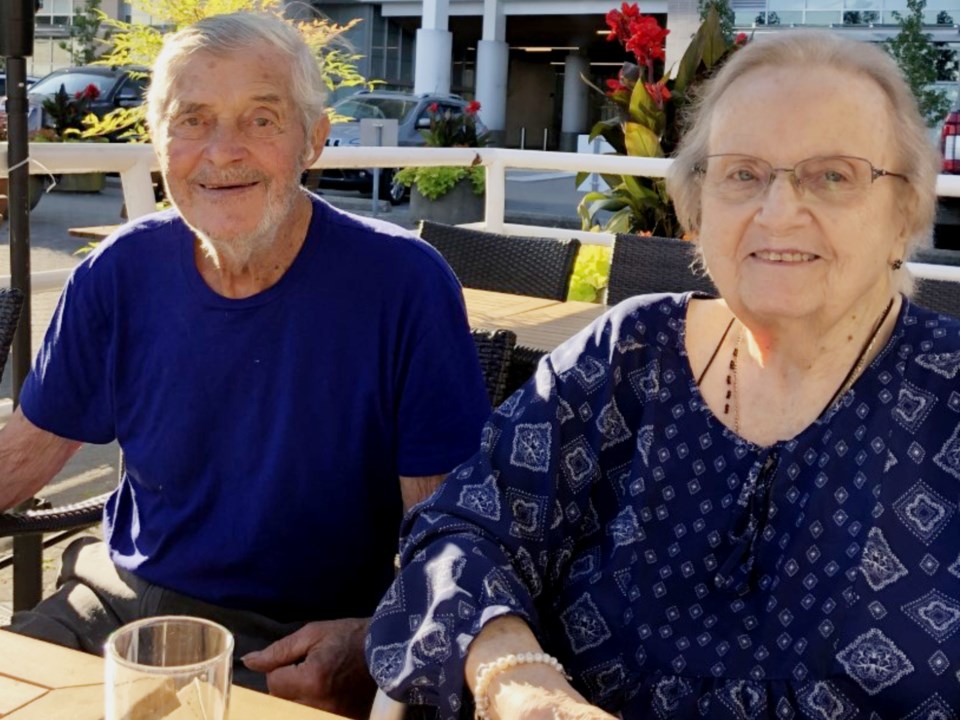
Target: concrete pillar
[[493, 60], [575, 114], [683, 19], [434, 59], [433, 62]]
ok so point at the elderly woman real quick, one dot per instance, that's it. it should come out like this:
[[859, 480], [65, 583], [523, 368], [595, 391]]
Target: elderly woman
[[742, 507]]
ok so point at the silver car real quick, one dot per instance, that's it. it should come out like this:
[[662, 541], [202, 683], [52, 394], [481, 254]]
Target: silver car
[[411, 113]]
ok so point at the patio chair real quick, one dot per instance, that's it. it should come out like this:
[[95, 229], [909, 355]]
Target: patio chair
[[540, 267], [495, 350], [942, 296], [653, 265]]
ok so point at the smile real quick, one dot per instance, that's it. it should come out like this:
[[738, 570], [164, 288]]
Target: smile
[[232, 186], [784, 257]]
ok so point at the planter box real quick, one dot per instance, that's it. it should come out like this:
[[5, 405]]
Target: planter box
[[81, 183], [35, 193], [460, 205]]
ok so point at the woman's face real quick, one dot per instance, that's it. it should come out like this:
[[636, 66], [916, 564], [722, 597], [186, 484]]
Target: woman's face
[[787, 253]]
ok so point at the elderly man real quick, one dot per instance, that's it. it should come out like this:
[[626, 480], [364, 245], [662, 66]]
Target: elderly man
[[284, 378]]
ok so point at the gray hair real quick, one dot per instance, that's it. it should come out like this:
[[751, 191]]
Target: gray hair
[[918, 158], [232, 33]]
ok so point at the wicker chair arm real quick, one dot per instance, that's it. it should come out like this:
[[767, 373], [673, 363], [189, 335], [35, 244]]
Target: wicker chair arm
[[43, 520]]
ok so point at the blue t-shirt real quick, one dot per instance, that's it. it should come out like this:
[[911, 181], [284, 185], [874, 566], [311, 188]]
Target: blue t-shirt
[[681, 572], [264, 437]]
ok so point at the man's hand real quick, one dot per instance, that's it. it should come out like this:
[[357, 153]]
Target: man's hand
[[320, 665]]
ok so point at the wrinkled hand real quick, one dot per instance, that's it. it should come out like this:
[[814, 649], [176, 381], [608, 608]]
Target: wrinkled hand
[[322, 665], [538, 692]]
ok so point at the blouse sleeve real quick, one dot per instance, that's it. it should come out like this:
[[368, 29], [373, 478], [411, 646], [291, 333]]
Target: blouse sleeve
[[499, 531]]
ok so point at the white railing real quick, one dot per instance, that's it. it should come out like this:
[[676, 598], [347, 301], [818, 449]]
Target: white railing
[[135, 162]]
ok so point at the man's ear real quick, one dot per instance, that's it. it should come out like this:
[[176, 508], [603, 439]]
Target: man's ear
[[316, 141]]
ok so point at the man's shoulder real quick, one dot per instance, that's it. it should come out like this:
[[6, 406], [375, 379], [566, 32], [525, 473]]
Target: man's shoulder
[[378, 241], [144, 231]]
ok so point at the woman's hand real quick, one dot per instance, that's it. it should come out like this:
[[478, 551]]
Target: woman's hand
[[538, 692], [522, 691]]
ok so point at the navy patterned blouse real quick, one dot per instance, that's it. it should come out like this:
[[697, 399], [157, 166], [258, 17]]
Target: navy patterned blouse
[[679, 571]]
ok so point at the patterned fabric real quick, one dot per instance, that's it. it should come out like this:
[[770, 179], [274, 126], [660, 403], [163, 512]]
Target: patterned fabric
[[679, 571]]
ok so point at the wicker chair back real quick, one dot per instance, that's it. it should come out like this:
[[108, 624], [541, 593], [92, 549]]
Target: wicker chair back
[[495, 350], [539, 267], [643, 265]]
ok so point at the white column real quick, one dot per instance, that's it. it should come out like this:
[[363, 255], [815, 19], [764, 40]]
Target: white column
[[434, 57], [683, 19], [493, 59], [436, 15], [575, 115], [433, 62]]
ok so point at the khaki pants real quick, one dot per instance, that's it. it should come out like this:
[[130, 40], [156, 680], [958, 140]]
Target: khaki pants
[[95, 597]]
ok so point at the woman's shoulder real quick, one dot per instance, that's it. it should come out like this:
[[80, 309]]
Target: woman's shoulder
[[627, 332]]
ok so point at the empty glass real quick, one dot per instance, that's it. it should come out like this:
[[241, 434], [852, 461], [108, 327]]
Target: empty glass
[[168, 668]]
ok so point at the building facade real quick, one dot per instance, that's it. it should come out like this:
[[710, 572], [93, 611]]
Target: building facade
[[524, 60]]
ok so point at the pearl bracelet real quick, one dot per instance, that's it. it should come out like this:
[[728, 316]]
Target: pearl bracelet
[[488, 671]]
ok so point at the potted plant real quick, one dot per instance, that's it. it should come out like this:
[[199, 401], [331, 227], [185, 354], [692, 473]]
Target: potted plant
[[71, 116], [649, 103], [444, 194]]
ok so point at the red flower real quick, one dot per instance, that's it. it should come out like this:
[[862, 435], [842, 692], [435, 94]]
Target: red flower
[[619, 21], [90, 92], [659, 92], [740, 39], [434, 108], [473, 107], [646, 39], [614, 86]]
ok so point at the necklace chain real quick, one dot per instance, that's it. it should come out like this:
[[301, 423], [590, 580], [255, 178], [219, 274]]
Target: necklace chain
[[732, 398]]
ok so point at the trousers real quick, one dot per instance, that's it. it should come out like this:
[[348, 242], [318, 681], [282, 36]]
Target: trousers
[[94, 597]]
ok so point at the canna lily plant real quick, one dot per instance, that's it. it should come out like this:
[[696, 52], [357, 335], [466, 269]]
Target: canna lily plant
[[647, 122]]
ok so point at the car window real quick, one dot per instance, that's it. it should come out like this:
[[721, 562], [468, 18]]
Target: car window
[[133, 88], [73, 83], [368, 107]]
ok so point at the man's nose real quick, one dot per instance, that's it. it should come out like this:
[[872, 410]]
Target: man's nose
[[225, 142]]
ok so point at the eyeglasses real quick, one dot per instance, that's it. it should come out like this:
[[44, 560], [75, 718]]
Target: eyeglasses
[[200, 126], [832, 179]]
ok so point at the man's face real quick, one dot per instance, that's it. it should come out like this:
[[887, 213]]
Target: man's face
[[232, 147]]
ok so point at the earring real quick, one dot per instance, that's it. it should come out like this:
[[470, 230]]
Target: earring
[[897, 264]]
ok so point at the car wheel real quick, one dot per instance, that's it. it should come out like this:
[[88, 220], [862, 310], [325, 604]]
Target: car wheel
[[393, 190]]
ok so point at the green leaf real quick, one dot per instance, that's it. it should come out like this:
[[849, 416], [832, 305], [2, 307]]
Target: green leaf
[[642, 106], [620, 222], [641, 141], [708, 47]]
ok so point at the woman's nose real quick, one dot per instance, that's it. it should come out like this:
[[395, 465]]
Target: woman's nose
[[782, 203]]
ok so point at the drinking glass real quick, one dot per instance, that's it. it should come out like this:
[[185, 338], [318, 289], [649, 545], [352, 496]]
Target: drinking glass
[[168, 668]]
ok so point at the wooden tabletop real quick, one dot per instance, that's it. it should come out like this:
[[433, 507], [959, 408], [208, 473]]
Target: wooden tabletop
[[539, 323], [93, 232], [40, 681]]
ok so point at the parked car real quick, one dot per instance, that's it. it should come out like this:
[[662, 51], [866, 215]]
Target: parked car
[[3, 82], [947, 231], [410, 112], [118, 87]]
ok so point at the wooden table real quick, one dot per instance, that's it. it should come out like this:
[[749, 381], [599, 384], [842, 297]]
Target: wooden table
[[93, 232], [539, 323], [39, 681]]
